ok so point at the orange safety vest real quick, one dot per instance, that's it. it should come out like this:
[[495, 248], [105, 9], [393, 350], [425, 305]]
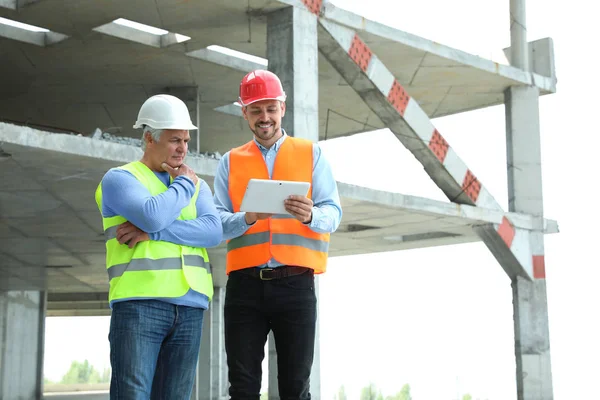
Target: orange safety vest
[[281, 237]]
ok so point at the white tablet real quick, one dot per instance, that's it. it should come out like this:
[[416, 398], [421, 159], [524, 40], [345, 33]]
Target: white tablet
[[267, 196]]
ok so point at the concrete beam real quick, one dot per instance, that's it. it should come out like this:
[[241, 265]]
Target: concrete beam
[[232, 109], [215, 55], [483, 216], [140, 33], [88, 147], [77, 304], [39, 37], [91, 307], [92, 311], [84, 297], [380, 90]]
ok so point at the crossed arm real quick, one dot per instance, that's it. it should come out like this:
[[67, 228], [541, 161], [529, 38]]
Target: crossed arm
[[155, 217]]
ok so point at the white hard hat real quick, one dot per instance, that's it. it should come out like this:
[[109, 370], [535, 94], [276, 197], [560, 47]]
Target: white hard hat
[[164, 111]]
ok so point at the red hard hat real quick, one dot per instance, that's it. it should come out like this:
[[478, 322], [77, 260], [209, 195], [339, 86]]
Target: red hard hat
[[260, 85]]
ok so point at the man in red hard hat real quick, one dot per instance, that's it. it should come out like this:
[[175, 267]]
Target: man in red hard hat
[[272, 259]]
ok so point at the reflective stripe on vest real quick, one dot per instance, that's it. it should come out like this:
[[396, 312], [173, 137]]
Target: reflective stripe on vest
[[153, 269], [147, 264], [282, 236], [289, 239], [278, 238]]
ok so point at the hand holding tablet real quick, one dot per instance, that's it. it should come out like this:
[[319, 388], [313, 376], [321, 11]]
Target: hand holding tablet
[[268, 196]]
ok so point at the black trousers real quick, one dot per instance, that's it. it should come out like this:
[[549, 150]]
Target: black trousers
[[253, 307]]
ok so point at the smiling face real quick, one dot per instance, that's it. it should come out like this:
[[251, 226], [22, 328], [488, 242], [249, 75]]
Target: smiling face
[[171, 148], [264, 119]]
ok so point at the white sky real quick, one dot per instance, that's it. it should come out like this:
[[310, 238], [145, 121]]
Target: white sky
[[441, 318]]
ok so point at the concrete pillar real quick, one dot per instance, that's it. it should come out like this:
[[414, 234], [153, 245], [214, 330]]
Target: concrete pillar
[[197, 133], [523, 153], [524, 167], [22, 328], [315, 376], [532, 343], [211, 376], [532, 340], [292, 51], [518, 35], [272, 366]]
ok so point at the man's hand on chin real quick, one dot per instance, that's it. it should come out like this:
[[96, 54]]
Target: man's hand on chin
[[183, 169]]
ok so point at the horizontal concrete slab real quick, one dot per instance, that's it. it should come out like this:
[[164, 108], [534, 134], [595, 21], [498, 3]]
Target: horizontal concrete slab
[[50, 228]]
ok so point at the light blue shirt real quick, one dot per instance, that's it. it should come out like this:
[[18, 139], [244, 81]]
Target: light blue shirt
[[326, 212], [124, 195]]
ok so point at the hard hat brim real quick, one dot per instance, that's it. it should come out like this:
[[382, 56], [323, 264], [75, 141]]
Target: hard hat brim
[[257, 99], [165, 125]]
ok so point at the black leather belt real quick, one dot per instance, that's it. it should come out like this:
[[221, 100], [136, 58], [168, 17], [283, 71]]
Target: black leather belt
[[267, 274]]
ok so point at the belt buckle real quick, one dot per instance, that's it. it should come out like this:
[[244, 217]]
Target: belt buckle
[[260, 274]]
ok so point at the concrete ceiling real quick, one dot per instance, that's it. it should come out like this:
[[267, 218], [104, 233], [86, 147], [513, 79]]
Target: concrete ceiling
[[93, 80]]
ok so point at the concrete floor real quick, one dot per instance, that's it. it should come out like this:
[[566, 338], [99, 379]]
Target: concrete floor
[[102, 395]]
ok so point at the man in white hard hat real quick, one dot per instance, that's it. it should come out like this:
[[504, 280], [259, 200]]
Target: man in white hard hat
[[158, 219]]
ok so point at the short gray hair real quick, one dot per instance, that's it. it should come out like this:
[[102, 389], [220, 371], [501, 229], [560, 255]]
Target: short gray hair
[[155, 133]]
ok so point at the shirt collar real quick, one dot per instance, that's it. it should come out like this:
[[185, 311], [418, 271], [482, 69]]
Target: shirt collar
[[276, 145]]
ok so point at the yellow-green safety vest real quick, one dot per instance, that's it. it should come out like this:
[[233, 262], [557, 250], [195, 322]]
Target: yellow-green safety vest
[[153, 269]]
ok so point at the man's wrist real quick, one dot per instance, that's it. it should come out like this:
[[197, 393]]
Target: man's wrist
[[309, 219], [246, 220], [186, 182]]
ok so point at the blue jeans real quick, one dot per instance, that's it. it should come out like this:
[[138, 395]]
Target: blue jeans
[[154, 350]]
